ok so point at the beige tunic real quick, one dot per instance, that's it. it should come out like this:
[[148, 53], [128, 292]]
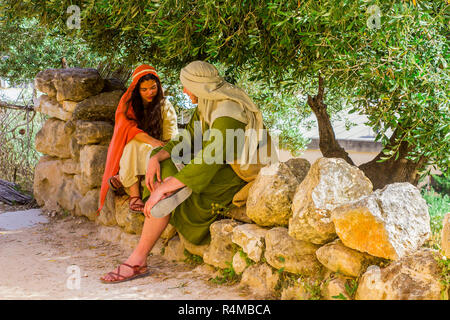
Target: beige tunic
[[134, 158]]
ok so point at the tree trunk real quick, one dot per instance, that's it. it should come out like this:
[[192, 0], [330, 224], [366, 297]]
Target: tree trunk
[[379, 173], [328, 144], [391, 170]]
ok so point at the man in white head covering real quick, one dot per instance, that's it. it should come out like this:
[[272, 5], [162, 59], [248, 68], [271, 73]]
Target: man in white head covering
[[192, 196]]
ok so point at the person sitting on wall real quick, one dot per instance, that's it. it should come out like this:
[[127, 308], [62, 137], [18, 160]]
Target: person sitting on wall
[[188, 194], [144, 120]]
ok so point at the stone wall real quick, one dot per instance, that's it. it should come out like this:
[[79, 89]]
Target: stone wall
[[307, 232]]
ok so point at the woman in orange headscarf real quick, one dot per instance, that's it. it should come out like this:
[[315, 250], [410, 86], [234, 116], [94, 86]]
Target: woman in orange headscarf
[[144, 119]]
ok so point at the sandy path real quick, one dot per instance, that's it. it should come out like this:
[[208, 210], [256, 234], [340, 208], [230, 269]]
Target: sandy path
[[34, 263]]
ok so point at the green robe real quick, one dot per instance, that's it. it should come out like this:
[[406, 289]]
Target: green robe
[[213, 185]]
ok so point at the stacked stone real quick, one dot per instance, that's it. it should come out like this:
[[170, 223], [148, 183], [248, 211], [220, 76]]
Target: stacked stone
[[321, 224], [324, 226], [74, 140]]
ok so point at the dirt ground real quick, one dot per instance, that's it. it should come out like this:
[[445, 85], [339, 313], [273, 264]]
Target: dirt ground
[[64, 258]]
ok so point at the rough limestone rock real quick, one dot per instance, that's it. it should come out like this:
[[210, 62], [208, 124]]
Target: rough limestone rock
[[270, 197], [220, 250], [93, 132], [330, 182], [52, 188], [89, 204], [113, 84], [134, 222], [174, 250], [121, 209], [295, 292], [239, 263], [101, 107], [260, 278], [71, 167], [192, 248], [76, 84], [131, 222], [44, 82], [158, 247], [69, 106], [413, 277], [250, 237], [169, 232], [445, 236], [339, 258], [47, 175], [75, 149], [92, 163], [295, 256], [67, 195], [81, 184], [334, 289], [54, 138], [50, 106], [389, 223], [107, 216], [238, 213]]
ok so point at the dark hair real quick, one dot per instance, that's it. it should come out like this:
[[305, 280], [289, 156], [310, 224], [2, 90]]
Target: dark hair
[[148, 119]]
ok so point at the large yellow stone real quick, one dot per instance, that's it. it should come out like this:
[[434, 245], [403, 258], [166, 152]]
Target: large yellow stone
[[389, 223]]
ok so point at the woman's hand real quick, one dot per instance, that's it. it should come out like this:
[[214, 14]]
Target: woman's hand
[[153, 169], [145, 138], [158, 143]]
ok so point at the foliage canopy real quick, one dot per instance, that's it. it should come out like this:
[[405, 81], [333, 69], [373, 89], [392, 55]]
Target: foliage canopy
[[396, 72]]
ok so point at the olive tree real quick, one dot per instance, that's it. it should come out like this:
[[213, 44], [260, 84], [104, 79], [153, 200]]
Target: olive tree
[[385, 59]]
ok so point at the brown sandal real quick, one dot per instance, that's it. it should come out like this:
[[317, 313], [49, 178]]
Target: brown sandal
[[135, 207], [138, 271], [114, 183]]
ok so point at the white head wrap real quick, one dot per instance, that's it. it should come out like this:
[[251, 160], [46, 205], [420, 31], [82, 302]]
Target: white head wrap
[[218, 97]]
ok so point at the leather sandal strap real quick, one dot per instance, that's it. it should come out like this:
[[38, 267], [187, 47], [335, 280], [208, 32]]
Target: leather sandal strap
[[136, 268], [134, 204], [116, 182]]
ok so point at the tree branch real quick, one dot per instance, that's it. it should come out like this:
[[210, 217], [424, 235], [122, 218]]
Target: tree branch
[[7, 105], [328, 144]]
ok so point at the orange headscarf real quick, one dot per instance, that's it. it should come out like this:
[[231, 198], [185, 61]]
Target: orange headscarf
[[124, 131]]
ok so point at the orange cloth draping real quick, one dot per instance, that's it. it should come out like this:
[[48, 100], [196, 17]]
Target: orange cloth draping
[[124, 131]]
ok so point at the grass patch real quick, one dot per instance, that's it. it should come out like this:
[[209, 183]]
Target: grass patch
[[192, 259], [438, 206], [228, 276], [244, 256], [444, 265]]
